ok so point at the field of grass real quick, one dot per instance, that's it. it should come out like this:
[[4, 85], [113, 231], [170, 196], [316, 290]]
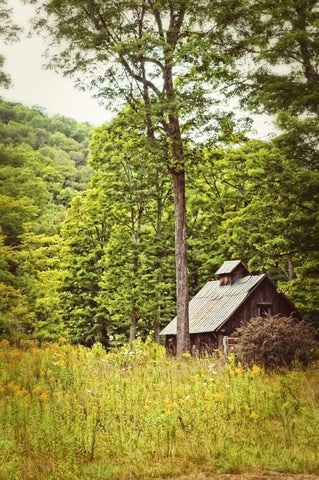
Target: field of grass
[[70, 413]]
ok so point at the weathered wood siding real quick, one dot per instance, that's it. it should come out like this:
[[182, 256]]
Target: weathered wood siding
[[200, 342], [265, 293]]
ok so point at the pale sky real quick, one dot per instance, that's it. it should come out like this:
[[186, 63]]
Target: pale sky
[[33, 85]]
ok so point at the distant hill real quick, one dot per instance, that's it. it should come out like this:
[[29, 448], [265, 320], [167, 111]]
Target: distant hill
[[43, 165]]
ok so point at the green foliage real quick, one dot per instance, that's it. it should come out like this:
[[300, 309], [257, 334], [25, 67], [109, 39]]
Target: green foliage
[[37, 184], [286, 36], [84, 236], [118, 239], [305, 286], [246, 199], [266, 201], [276, 342]]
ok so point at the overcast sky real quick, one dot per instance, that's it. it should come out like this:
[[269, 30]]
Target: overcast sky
[[33, 85]]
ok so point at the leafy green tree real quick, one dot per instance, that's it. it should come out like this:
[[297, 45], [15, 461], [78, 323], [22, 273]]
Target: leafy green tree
[[38, 182], [85, 235], [285, 35], [40, 278], [157, 55], [135, 177], [268, 215]]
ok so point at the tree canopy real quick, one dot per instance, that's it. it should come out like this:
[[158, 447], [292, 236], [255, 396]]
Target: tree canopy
[[87, 230]]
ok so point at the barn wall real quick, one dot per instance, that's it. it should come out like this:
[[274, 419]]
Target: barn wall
[[200, 342], [204, 342], [264, 294]]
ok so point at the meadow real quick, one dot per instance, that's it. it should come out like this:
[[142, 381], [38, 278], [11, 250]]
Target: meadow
[[71, 413]]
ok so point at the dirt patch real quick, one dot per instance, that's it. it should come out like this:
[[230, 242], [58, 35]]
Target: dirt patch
[[248, 476]]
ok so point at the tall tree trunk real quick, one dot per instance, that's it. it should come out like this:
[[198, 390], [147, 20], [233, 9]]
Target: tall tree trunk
[[183, 340], [178, 176], [157, 317], [291, 272], [133, 326], [136, 265]]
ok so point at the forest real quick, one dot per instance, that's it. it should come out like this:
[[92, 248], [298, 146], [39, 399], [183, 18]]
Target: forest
[[87, 224], [91, 218]]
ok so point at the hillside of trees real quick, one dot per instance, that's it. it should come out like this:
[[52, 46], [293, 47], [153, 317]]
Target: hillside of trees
[[43, 165], [87, 231]]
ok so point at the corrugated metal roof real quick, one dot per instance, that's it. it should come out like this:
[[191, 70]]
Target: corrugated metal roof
[[228, 266], [214, 304]]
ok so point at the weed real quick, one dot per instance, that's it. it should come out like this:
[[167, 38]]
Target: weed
[[74, 413]]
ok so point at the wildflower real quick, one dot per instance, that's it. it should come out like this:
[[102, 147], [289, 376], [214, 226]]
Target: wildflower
[[22, 393], [37, 389], [255, 370], [43, 397], [13, 387], [238, 371], [186, 355], [207, 395], [254, 415], [218, 396]]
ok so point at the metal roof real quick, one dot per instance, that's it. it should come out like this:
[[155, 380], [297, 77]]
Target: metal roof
[[213, 305], [229, 266]]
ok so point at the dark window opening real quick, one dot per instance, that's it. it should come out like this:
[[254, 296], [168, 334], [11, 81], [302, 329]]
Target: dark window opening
[[264, 309]]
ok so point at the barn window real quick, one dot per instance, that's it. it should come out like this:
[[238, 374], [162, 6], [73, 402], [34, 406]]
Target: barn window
[[264, 309]]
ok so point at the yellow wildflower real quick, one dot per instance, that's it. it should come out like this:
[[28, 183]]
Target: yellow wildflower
[[22, 393], [13, 387], [37, 389], [254, 415], [207, 395], [186, 355], [43, 397], [255, 370], [218, 396]]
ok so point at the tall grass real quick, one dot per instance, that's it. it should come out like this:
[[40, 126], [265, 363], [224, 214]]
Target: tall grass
[[74, 413]]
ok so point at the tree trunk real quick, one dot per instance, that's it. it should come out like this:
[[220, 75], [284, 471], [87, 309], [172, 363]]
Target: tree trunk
[[133, 326], [157, 317], [291, 273], [136, 265], [183, 340]]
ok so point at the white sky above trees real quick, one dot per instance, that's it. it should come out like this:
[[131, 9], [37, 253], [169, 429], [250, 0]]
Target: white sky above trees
[[33, 85]]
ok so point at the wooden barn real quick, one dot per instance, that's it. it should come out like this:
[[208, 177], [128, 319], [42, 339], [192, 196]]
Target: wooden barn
[[223, 305]]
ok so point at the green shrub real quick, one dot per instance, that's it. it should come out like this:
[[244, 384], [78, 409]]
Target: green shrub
[[276, 341]]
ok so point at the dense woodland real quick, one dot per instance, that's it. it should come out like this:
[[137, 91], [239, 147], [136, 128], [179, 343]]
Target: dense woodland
[[87, 215], [87, 239]]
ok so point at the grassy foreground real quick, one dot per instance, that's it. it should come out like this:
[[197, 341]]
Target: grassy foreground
[[72, 413]]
